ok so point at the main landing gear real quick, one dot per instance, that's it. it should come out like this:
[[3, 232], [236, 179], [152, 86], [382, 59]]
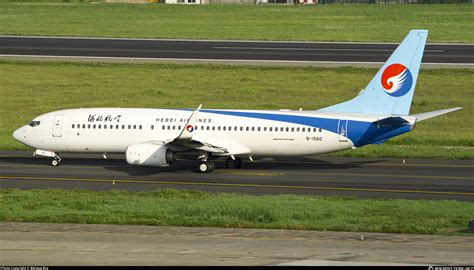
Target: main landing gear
[[209, 166], [233, 163], [206, 166]]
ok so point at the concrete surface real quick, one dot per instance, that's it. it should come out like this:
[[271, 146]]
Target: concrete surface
[[79, 244]]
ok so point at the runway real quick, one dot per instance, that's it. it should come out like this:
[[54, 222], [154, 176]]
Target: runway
[[227, 51], [367, 178]]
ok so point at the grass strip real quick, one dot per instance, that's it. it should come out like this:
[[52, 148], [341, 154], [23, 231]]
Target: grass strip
[[171, 207], [335, 22]]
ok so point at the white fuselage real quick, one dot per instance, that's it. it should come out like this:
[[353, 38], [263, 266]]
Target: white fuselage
[[112, 130]]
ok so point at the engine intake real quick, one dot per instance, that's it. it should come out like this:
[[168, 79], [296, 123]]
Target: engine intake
[[148, 154]]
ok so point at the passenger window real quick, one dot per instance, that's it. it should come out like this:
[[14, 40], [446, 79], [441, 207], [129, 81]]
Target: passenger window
[[93, 126], [302, 129], [320, 129], [116, 126], [270, 129], [292, 129], [223, 128], [253, 128], [100, 126], [105, 126], [152, 127], [73, 125], [140, 127], [314, 129], [297, 129], [134, 126], [287, 129], [89, 126], [83, 126], [241, 128], [281, 129], [207, 127], [163, 127]]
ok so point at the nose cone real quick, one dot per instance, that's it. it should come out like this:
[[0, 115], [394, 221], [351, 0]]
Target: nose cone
[[18, 134]]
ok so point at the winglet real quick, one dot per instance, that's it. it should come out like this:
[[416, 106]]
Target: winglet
[[187, 132], [428, 115]]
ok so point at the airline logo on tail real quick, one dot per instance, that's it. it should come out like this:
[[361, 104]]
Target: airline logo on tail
[[396, 80]]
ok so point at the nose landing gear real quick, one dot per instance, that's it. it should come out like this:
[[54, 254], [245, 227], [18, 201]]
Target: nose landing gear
[[56, 161], [45, 153]]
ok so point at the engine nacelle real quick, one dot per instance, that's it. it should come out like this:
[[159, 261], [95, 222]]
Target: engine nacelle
[[148, 154]]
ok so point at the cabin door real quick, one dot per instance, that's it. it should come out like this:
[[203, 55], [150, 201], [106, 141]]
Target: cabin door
[[342, 130], [57, 125]]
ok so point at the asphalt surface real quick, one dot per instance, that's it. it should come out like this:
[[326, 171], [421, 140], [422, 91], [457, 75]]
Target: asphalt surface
[[226, 50], [368, 178]]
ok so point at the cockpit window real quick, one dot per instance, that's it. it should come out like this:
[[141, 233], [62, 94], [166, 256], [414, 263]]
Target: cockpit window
[[34, 123]]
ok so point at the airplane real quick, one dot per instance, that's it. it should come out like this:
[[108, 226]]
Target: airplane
[[157, 137]]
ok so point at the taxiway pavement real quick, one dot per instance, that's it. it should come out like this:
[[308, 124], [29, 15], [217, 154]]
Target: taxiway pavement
[[362, 177]]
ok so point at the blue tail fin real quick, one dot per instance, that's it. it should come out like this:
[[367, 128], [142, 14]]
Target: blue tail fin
[[392, 88]]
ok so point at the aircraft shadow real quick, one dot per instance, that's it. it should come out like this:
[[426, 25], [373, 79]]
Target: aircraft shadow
[[187, 166]]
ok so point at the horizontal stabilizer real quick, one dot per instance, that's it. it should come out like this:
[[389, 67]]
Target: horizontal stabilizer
[[428, 115], [392, 121]]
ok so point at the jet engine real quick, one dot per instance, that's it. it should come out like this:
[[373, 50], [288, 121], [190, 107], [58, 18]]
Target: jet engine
[[148, 154]]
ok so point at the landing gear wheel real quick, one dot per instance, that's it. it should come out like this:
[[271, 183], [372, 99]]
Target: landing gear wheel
[[206, 166], [212, 166], [56, 162], [231, 163], [239, 163]]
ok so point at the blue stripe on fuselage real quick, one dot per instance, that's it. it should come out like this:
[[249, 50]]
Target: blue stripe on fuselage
[[354, 127], [359, 132]]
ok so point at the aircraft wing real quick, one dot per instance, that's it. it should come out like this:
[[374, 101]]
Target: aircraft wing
[[187, 140]]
